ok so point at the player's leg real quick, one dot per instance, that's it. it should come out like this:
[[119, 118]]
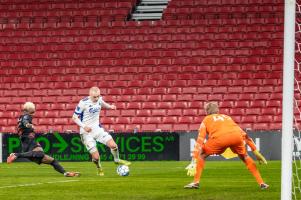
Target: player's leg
[[209, 148], [28, 147], [90, 145], [30, 154], [96, 160], [240, 149], [56, 165], [251, 166], [105, 138], [200, 163], [115, 152]]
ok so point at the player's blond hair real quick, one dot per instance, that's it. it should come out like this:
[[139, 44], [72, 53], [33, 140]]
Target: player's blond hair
[[94, 90], [211, 108], [29, 107]]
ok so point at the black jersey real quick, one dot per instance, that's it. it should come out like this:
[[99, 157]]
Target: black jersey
[[22, 129]]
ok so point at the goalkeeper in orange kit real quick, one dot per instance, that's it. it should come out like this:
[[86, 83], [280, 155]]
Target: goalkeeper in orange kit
[[223, 133]]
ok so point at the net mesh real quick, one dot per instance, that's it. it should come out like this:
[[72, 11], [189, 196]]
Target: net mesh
[[297, 109]]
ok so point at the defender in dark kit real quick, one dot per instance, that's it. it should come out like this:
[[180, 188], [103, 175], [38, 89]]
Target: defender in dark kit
[[31, 149]]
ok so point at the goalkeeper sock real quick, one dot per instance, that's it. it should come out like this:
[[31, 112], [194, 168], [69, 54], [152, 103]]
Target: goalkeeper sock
[[253, 169], [115, 154], [200, 163]]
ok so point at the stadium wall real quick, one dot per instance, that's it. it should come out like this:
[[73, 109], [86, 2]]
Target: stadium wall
[[139, 146]]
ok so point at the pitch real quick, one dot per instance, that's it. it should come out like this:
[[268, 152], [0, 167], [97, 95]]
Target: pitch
[[148, 180]]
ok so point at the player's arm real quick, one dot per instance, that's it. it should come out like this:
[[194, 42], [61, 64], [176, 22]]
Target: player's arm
[[76, 117], [106, 105], [191, 168], [249, 141], [200, 141], [26, 121], [261, 159]]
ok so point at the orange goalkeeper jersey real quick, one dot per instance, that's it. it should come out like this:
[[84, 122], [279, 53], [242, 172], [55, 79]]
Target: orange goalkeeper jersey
[[216, 125]]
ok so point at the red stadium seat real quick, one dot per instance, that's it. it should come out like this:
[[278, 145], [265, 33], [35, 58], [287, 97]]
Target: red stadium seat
[[261, 126], [153, 120], [181, 127], [148, 127], [8, 129], [108, 120], [155, 98], [257, 104], [165, 127], [132, 127], [128, 113], [118, 127], [164, 105], [144, 113], [269, 111], [61, 121], [122, 120], [190, 112], [157, 112], [174, 112], [112, 113], [275, 126], [248, 119], [138, 120], [148, 105]]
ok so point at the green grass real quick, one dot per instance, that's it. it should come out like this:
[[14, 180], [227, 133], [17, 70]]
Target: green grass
[[147, 180]]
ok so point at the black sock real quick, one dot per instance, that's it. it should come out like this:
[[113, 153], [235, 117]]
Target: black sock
[[56, 165], [96, 162], [31, 154]]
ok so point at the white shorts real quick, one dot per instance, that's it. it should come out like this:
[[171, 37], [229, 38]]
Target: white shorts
[[98, 134]]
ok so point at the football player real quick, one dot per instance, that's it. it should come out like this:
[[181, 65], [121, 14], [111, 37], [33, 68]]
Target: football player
[[86, 116], [222, 132], [31, 149]]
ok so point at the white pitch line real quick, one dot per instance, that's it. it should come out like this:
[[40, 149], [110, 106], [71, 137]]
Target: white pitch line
[[34, 184]]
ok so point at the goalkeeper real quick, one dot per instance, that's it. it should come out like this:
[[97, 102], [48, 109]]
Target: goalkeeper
[[223, 133]]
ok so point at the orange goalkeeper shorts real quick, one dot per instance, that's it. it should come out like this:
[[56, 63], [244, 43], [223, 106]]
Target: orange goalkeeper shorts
[[220, 144]]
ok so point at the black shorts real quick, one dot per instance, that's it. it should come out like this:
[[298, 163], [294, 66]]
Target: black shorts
[[28, 144]]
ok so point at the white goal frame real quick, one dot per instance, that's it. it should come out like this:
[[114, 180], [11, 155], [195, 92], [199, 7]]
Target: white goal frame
[[288, 100]]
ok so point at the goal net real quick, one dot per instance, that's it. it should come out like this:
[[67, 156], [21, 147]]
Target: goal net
[[296, 174]]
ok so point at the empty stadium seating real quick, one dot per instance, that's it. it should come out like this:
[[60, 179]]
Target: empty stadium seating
[[158, 73], [64, 10]]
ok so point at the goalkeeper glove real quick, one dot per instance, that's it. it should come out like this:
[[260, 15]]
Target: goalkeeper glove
[[191, 168], [260, 157]]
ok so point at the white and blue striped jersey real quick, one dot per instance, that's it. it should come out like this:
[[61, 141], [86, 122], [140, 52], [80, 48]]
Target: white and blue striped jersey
[[89, 111]]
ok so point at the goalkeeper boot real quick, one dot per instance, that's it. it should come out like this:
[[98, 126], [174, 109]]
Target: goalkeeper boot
[[11, 158], [264, 186], [71, 174], [192, 186], [100, 172], [122, 162]]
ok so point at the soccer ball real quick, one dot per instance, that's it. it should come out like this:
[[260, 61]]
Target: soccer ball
[[123, 170]]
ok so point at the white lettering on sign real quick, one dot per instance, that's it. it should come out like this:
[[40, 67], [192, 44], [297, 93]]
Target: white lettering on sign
[[192, 143]]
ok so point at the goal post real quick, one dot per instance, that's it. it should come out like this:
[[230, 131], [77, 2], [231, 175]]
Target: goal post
[[288, 100]]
